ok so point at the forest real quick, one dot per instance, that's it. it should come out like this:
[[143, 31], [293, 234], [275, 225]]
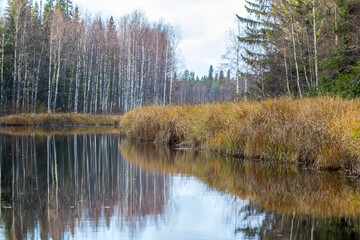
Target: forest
[[301, 47], [56, 59], [293, 48]]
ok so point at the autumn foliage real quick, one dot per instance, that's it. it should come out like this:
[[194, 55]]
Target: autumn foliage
[[321, 132], [61, 120]]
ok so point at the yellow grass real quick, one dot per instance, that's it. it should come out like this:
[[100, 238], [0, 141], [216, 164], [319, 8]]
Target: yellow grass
[[50, 131], [323, 132], [62, 119]]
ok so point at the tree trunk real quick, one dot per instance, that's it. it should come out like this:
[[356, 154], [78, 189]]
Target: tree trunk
[[50, 80], [165, 70], [295, 58], [57, 75], [286, 74], [142, 73], [15, 62], [87, 88], [315, 48], [77, 82], [156, 69], [245, 81], [2, 92], [25, 97], [303, 63], [21, 55]]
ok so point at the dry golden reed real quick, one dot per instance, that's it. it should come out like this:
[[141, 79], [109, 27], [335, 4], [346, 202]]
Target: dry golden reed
[[62, 119], [323, 132]]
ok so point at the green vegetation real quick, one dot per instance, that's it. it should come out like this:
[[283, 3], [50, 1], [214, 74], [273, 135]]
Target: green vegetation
[[301, 47], [321, 132], [63, 119]]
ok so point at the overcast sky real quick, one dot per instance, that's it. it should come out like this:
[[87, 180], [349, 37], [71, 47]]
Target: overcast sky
[[204, 24]]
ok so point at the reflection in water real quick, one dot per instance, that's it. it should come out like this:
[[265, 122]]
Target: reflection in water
[[283, 202], [51, 185], [93, 186]]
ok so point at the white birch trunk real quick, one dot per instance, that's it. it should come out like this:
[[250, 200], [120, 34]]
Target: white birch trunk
[[77, 82], [57, 74], [87, 89], [50, 80], [15, 62], [156, 69], [166, 62], [142, 74], [18, 88]]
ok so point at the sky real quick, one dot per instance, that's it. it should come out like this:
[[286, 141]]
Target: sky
[[204, 24]]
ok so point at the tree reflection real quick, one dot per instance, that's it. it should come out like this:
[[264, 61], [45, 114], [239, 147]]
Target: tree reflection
[[49, 183], [276, 201]]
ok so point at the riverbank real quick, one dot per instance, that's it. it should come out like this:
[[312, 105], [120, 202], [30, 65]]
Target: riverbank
[[323, 133], [61, 119], [58, 131]]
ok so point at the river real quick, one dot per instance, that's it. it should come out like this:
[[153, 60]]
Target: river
[[100, 186]]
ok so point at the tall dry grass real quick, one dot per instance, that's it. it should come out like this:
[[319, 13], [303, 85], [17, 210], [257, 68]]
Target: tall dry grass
[[50, 131], [61, 119], [323, 132]]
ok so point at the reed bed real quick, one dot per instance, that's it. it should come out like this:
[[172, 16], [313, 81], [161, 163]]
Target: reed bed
[[62, 119], [319, 132], [50, 131]]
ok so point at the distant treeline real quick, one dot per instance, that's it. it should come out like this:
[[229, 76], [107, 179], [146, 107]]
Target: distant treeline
[[54, 59], [216, 87]]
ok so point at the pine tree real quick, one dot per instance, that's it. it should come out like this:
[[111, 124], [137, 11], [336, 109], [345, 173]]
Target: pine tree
[[211, 73]]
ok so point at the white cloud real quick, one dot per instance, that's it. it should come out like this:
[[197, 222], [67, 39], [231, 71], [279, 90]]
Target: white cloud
[[204, 23]]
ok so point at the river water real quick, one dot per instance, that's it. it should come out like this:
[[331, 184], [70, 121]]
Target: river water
[[99, 186]]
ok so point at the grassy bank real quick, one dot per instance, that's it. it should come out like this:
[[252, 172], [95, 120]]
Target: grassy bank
[[50, 131], [62, 119], [321, 132]]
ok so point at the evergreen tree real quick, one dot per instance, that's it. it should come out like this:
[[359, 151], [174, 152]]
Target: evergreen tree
[[211, 73], [61, 5], [342, 75]]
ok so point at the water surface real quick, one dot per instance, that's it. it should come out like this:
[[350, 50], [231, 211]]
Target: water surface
[[98, 186]]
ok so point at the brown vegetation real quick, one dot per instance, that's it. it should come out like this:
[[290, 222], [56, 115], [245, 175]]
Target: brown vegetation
[[322, 132], [63, 119], [58, 130], [276, 187]]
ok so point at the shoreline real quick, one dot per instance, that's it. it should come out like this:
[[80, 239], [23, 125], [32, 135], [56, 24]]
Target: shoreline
[[59, 120], [320, 133]]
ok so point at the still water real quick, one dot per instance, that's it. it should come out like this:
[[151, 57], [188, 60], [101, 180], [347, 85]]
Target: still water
[[98, 186]]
